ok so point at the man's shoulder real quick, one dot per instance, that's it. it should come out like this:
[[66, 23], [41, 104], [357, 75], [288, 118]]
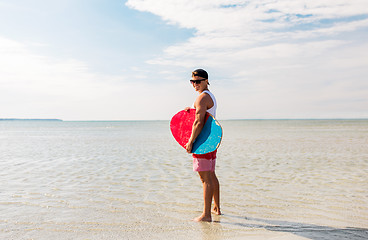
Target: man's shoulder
[[203, 100], [204, 97]]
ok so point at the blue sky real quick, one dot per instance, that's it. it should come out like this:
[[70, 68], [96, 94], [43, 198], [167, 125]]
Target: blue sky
[[131, 60]]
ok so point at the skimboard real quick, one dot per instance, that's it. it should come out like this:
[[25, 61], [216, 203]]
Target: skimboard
[[207, 141]]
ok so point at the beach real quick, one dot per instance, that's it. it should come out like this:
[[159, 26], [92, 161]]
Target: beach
[[280, 179]]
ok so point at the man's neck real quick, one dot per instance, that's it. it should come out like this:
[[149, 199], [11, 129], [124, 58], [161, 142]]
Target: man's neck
[[206, 89]]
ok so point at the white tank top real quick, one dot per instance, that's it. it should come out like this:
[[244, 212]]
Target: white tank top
[[212, 110]]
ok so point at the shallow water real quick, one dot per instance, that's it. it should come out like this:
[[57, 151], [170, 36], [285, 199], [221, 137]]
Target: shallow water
[[290, 179]]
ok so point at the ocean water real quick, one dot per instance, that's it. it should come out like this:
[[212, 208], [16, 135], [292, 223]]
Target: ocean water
[[283, 179]]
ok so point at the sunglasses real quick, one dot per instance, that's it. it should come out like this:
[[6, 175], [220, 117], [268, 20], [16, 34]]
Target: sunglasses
[[197, 81]]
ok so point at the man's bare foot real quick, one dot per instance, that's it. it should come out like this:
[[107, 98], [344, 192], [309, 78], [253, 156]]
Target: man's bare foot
[[203, 218], [216, 211]]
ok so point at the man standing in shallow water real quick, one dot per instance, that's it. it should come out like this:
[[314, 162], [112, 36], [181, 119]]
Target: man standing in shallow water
[[204, 164]]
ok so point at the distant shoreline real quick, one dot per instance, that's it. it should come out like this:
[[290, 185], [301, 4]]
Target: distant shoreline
[[29, 119]]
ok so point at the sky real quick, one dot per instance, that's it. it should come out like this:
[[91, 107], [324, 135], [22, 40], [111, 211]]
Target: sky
[[132, 60]]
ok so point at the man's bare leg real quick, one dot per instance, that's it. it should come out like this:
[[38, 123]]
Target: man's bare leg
[[207, 181], [216, 194]]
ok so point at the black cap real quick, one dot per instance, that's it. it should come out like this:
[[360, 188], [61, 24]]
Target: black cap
[[200, 73]]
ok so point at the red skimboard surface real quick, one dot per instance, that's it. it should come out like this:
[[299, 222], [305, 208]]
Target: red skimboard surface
[[208, 140]]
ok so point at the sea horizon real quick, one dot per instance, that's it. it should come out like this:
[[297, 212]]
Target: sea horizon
[[144, 120]]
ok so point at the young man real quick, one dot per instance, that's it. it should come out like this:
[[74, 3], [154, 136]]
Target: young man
[[204, 164]]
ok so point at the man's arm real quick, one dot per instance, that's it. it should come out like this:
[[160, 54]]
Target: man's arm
[[201, 109]]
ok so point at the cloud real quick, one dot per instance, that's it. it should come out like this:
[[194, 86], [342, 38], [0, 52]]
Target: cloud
[[274, 58], [36, 86], [24, 71], [266, 59], [228, 26]]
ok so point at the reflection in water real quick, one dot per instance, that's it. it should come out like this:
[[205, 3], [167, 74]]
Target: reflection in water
[[309, 231]]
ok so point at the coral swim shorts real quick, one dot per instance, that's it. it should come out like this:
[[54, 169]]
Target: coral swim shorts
[[204, 162]]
